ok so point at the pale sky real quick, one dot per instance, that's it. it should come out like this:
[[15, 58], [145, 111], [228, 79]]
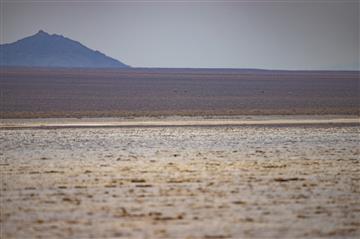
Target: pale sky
[[291, 34]]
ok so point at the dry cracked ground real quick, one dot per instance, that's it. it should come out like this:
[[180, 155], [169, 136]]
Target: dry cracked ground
[[181, 182]]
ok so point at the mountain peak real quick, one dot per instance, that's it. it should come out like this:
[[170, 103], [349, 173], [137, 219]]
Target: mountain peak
[[45, 50], [42, 33]]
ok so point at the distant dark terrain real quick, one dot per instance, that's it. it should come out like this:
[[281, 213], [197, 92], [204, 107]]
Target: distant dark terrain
[[47, 92]]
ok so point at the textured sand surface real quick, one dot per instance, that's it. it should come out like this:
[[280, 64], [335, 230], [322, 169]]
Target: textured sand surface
[[181, 182]]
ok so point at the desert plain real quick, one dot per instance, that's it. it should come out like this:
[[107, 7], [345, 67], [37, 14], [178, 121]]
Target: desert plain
[[138, 92], [259, 156]]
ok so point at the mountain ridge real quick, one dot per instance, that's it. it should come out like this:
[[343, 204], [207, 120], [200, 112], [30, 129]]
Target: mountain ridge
[[45, 50]]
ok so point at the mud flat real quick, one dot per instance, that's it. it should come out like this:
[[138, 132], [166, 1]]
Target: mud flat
[[251, 181]]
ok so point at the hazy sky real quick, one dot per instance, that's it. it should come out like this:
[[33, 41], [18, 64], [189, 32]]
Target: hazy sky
[[231, 34]]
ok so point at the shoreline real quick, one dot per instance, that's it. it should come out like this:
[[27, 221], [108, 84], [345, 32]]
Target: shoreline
[[176, 121]]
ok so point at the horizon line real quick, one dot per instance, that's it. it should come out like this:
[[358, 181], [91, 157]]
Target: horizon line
[[175, 68]]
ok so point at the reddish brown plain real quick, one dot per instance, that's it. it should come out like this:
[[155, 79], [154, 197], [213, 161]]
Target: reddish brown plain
[[31, 93]]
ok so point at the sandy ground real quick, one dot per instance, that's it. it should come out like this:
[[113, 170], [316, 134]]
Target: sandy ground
[[181, 182]]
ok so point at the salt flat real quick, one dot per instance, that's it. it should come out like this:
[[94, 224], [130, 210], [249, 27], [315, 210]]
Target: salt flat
[[293, 181], [170, 121]]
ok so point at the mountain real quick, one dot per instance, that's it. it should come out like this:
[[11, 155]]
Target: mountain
[[45, 50]]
